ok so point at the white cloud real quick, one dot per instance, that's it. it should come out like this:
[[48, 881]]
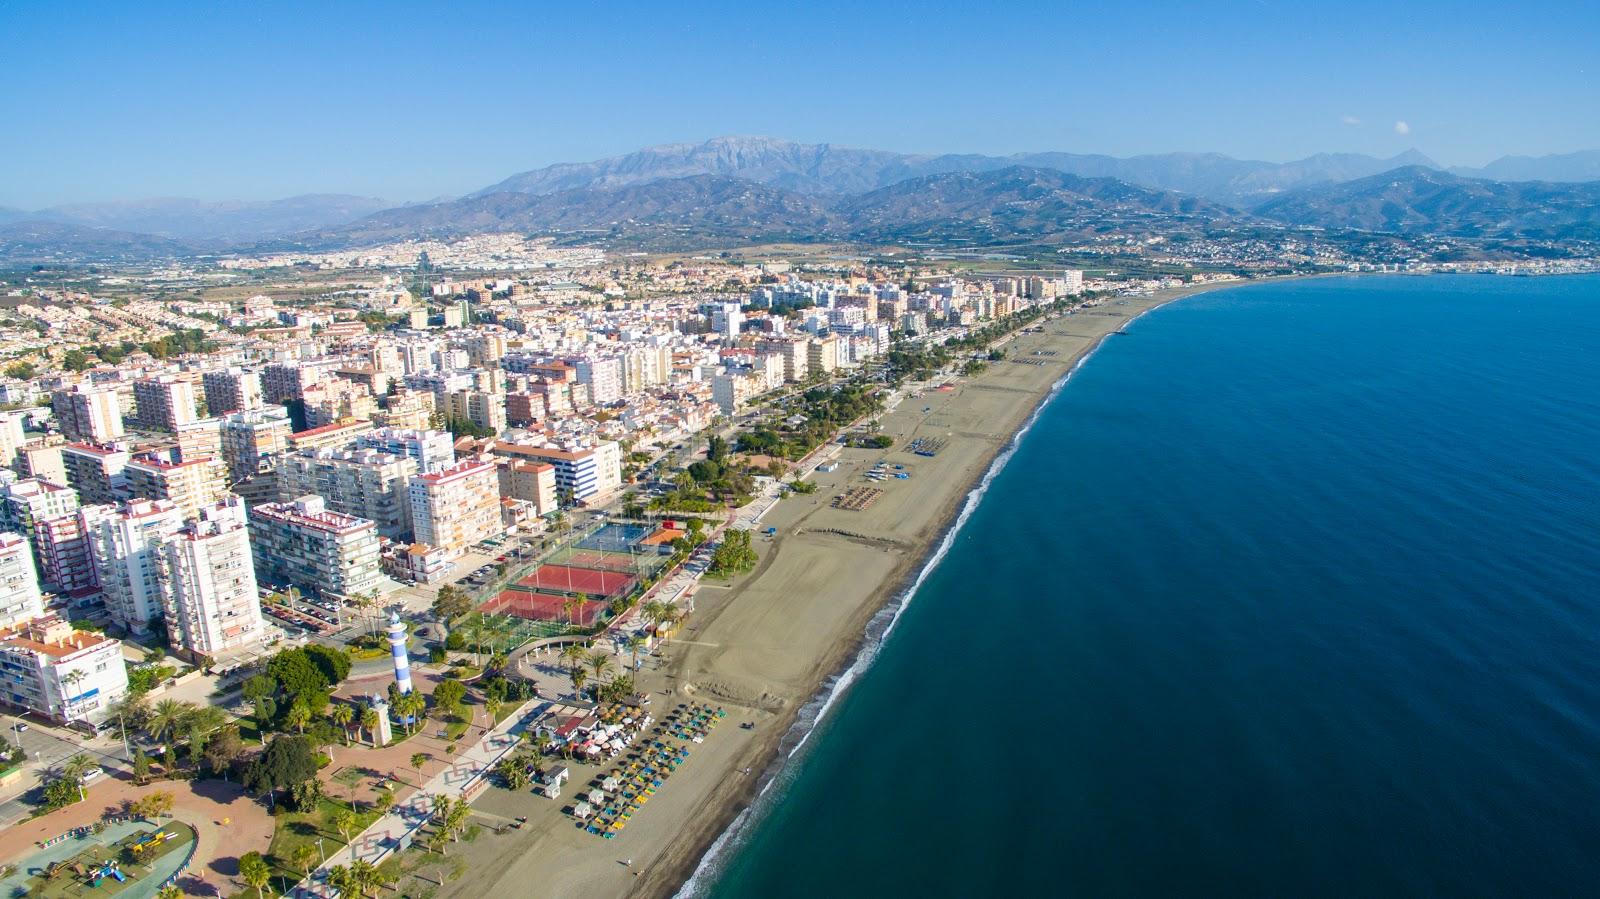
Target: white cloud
[[1351, 120], [1402, 128]]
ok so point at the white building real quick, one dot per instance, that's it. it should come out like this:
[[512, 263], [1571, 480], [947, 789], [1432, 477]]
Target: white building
[[457, 507], [208, 584], [432, 450], [66, 675], [91, 414], [126, 542], [324, 553], [20, 599]]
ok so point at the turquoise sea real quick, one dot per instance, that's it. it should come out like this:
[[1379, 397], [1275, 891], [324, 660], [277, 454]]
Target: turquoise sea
[[1294, 589]]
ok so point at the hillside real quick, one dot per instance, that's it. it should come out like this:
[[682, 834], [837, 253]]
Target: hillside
[[1418, 200]]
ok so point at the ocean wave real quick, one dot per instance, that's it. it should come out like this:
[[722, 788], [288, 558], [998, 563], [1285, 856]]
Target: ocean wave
[[879, 627]]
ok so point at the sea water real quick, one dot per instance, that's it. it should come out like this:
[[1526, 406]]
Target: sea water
[[1293, 590]]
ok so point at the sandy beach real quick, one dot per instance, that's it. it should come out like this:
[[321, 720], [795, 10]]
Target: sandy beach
[[765, 644]]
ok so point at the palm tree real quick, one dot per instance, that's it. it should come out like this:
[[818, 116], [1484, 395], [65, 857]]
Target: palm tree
[[298, 717], [413, 707], [542, 741], [339, 878], [579, 677], [569, 609], [635, 643], [345, 821], [341, 715], [418, 759], [167, 718], [255, 871], [572, 654], [600, 664], [303, 857], [364, 876], [75, 769], [369, 723]]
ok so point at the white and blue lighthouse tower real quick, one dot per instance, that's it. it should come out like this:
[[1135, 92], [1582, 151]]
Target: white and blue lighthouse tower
[[397, 649]]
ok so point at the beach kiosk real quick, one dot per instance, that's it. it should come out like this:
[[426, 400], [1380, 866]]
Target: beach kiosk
[[553, 781]]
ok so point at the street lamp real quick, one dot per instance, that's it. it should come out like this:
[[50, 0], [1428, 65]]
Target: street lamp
[[320, 853]]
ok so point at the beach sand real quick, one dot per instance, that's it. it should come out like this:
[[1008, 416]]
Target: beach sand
[[764, 645]]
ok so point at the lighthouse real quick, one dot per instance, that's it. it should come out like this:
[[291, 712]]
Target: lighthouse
[[397, 649]]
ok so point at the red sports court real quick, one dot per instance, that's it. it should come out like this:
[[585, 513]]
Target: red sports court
[[542, 607], [567, 579], [599, 558]]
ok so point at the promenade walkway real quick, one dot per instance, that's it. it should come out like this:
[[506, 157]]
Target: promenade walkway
[[459, 777]]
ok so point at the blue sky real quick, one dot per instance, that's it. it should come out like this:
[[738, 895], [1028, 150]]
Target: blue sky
[[409, 101]]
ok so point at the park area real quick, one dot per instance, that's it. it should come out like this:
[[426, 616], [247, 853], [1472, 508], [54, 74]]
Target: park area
[[129, 859]]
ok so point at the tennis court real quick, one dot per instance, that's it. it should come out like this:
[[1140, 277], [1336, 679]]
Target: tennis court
[[544, 607], [572, 580], [613, 537]]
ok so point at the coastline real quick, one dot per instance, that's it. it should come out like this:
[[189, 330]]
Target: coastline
[[891, 599], [776, 647]]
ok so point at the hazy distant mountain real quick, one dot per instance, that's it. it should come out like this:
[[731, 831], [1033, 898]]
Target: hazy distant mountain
[[1016, 202], [7, 214], [1583, 165], [179, 217], [1418, 200], [702, 207], [34, 241], [701, 210], [827, 170]]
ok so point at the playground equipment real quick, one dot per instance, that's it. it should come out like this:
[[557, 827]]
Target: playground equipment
[[146, 843], [109, 869]]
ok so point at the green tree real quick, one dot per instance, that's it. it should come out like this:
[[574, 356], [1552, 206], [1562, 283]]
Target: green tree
[[167, 719], [448, 695], [451, 603], [255, 871], [287, 761], [342, 714], [304, 856], [369, 723], [344, 821], [418, 759], [334, 663], [76, 769], [75, 360], [299, 716], [600, 663]]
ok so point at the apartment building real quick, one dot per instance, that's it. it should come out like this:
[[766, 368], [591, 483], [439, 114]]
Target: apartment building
[[364, 483], [20, 599], [40, 459], [530, 481], [822, 354], [484, 409], [88, 413], [432, 450], [601, 378], [12, 436], [24, 503], [457, 507], [190, 485], [324, 553], [253, 440], [208, 584], [66, 555], [793, 351], [97, 471], [66, 675], [231, 390], [164, 403], [125, 541], [581, 473]]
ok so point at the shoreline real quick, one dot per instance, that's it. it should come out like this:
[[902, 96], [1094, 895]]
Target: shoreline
[[780, 645], [894, 597]]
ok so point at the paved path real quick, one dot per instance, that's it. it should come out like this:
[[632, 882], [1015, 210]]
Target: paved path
[[459, 772]]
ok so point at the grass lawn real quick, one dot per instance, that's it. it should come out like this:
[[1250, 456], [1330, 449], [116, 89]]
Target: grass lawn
[[295, 829]]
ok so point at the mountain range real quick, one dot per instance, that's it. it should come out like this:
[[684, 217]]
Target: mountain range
[[181, 218], [736, 190]]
